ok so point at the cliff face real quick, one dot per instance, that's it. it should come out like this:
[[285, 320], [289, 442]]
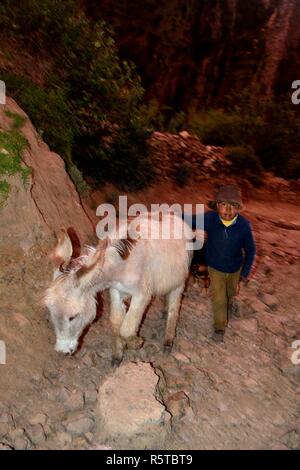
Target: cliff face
[[192, 53]]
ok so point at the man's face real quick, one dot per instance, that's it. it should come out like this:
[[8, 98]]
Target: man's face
[[226, 210]]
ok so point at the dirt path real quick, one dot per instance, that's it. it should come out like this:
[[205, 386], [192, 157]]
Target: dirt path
[[240, 394]]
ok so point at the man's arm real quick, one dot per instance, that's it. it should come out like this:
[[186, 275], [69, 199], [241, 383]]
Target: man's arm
[[250, 250]]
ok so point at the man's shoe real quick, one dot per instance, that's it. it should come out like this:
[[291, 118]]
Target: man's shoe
[[218, 336]]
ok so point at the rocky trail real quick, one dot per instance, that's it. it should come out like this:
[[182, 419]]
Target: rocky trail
[[243, 394]]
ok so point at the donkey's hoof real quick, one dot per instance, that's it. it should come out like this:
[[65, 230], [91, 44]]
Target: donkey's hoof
[[135, 342], [116, 361]]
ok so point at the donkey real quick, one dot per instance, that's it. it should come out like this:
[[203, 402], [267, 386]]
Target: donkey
[[135, 268]]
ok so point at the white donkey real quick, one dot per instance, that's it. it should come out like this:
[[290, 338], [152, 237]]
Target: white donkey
[[138, 268]]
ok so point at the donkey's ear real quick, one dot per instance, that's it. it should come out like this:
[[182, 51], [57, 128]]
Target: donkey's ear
[[75, 242], [87, 275], [63, 249]]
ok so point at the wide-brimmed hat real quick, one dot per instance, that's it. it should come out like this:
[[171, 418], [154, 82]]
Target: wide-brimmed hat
[[227, 193]]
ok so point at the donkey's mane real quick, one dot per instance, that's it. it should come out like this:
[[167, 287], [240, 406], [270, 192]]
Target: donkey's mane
[[124, 246]]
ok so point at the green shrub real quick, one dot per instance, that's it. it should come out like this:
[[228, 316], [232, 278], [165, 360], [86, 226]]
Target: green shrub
[[245, 163], [12, 145], [92, 93], [130, 165], [270, 128], [48, 109]]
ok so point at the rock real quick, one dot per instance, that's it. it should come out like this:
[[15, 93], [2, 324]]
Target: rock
[[75, 401], [18, 439], [5, 446], [21, 443], [90, 396], [89, 436], [292, 440], [177, 404], [180, 357], [21, 320], [89, 359], [80, 443], [270, 300], [246, 324], [60, 394], [6, 418], [79, 424], [15, 434], [64, 437], [36, 434], [184, 134], [267, 267], [47, 430], [4, 429], [258, 306], [39, 418], [128, 409], [271, 323]]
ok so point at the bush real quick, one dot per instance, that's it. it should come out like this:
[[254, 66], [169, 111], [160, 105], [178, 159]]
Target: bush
[[270, 128], [130, 165], [245, 163], [77, 110], [48, 109], [12, 146]]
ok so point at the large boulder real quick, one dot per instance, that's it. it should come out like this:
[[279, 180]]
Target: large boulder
[[129, 411]]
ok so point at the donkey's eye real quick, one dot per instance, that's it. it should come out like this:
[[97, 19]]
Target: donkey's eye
[[73, 318]]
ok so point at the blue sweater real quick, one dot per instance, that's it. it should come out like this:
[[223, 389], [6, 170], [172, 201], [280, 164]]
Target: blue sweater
[[228, 248]]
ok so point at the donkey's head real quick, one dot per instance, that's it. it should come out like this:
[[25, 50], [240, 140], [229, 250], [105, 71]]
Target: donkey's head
[[71, 295]]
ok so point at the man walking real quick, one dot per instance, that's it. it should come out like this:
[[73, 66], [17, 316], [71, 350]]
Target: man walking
[[229, 252]]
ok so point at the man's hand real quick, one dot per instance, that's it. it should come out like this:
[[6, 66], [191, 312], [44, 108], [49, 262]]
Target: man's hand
[[243, 280]]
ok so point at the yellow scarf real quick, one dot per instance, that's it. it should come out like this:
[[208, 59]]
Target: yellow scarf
[[228, 222]]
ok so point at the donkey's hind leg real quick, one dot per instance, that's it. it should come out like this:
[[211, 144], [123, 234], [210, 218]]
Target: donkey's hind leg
[[173, 302], [117, 315]]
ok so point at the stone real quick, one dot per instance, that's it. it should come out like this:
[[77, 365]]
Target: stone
[[5, 446], [180, 357], [271, 323], [128, 409], [21, 320], [292, 440], [36, 434], [64, 437], [245, 324], [258, 306], [75, 401], [270, 300], [90, 396], [185, 134], [16, 433], [177, 404], [79, 425], [4, 429], [39, 418], [21, 443]]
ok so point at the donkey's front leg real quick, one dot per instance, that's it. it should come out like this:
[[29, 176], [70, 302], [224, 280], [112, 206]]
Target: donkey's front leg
[[117, 314], [173, 302], [131, 322]]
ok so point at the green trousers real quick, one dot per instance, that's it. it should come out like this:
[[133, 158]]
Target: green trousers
[[223, 288]]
